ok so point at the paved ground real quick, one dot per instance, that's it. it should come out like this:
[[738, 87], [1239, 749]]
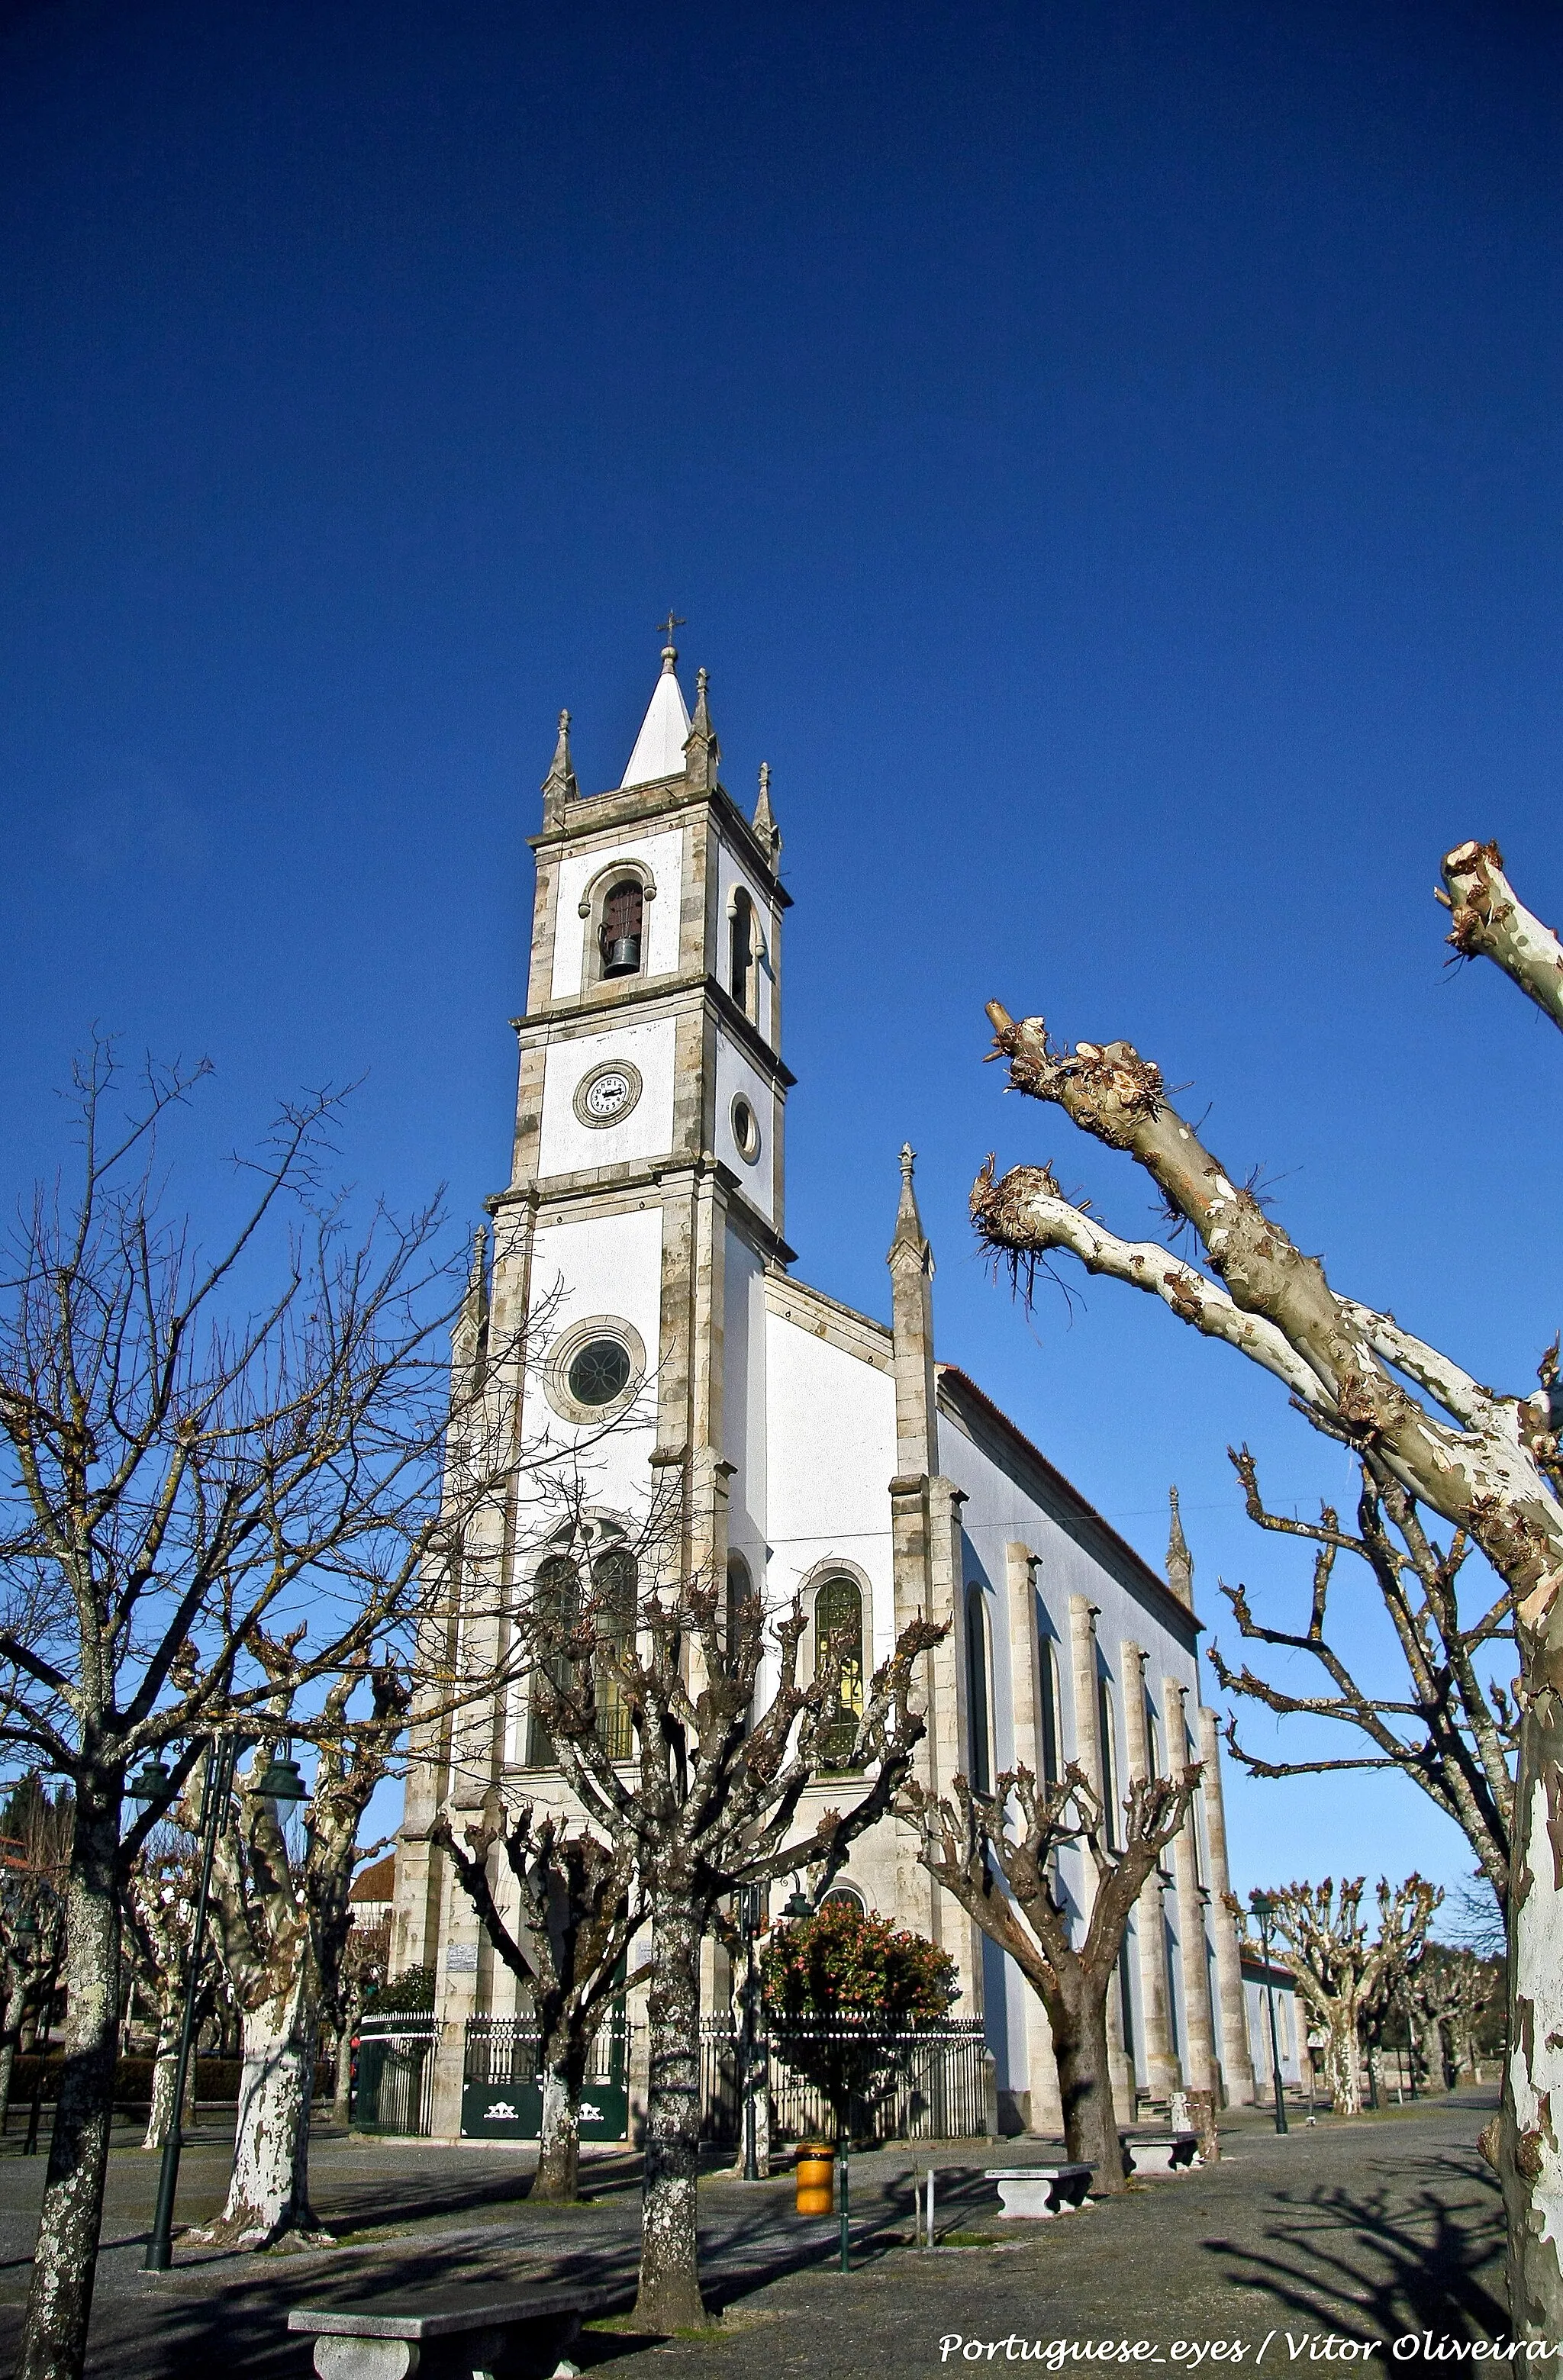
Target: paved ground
[[1370, 2231]]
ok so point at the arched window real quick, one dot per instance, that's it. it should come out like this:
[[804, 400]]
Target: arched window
[[845, 1894], [619, 935], [977, 1691], [555, 1602], [838, 1633], [740, 974], [1052, 1730], [740, 1593], [1112, 1817], [614, 1582]]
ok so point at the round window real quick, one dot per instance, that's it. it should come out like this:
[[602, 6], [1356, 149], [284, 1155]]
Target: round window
[[746, 1130], [599, 1372]]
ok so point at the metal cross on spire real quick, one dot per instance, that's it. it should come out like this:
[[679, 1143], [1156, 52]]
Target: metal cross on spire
[[664, 627]]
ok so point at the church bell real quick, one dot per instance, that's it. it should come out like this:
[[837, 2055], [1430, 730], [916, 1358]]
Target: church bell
[[623, 957]]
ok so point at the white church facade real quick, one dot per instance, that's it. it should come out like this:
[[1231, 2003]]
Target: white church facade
[[804, 1449]]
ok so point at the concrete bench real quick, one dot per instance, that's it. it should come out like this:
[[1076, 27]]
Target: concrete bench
[[440, 2334], [1040, 2190], [1154, 2159]]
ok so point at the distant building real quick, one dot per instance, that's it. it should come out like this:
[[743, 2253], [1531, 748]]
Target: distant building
[[815, 1451], [1291, 2029], [372, 1895]]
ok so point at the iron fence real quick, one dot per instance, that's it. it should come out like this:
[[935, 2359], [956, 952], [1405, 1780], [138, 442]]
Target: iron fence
[[937, 2081], [394, 2088]]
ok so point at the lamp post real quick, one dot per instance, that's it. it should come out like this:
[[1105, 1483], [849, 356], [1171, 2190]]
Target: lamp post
[[281, 1782], [1263, 1908]]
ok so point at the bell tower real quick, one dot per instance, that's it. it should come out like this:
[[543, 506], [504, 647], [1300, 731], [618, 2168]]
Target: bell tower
[[649, 1119]]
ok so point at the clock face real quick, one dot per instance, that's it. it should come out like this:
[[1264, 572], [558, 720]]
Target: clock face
[[607, 1093]]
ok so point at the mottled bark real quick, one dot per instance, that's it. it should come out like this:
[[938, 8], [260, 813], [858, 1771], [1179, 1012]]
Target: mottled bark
[[1529, 2151], [670, 2296], [15, 2010], [269, 2191], [59, 2303], [558, 2157], [159, 2116]]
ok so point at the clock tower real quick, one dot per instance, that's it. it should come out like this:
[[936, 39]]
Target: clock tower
[[645, 1194]]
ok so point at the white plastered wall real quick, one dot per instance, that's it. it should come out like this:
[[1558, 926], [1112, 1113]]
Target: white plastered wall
[[999, 1511], [663, 854], [609, 1265], [567, 1146], [743, 1404], [734, 1073]]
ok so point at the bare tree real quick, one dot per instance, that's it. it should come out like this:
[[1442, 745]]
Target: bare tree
[[35, 1832], [1005, 1876], [578, 1911], [705, 1805], [281, 1915], [1451, 1990], [365, 1964], [1340, 1974], [1484, 1461], [159, 1911], [1454, 1733], [192, 1447]]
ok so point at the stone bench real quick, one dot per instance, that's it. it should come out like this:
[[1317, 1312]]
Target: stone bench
[[453, 2334], [1154, 2159], [1040, 2190]]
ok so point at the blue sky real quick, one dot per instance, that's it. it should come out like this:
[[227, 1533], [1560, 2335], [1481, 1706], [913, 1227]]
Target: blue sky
[[1109, 458]]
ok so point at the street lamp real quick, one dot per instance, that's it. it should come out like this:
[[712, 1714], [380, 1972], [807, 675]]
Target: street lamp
[[280, 1781], [797, 1904], [1263, 1908]]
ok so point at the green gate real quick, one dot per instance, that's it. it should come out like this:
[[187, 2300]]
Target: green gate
[[501, 2093]]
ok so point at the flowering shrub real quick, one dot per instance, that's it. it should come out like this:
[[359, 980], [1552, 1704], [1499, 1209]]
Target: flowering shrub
[[843, 1961], [837, 1986]]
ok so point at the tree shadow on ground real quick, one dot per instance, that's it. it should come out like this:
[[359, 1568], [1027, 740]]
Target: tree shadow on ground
[[1385, 2262]]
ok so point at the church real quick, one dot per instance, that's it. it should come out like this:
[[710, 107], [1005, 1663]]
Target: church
[[639, 1250]]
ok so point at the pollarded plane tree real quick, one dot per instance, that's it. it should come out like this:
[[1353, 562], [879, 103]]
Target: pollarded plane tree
[[578, 1908], [1345, 1980], [194, 1447], [996, 1854], [1454, 1732], [281, 1917], [1484, 1461], [159, 1908], [704, 1801], [35, 1832], [1451, 1990]]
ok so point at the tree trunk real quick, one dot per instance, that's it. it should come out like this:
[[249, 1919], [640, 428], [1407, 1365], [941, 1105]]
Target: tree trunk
[[1341, 2062], [342, 2102], [1078, 2018], [59, 2303], [269, 2193], [1530, 2154], [558, 2163], [669, 2298], [15, 2008], [160, 2119]]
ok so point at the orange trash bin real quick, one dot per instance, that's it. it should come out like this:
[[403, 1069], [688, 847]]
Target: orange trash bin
[[816, 2177]]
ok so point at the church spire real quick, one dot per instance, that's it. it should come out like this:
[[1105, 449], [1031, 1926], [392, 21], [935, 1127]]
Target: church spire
[[911, 1260], [1179, 1560], [659, 748], [766, 832], [559, 785], [702, 750]]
